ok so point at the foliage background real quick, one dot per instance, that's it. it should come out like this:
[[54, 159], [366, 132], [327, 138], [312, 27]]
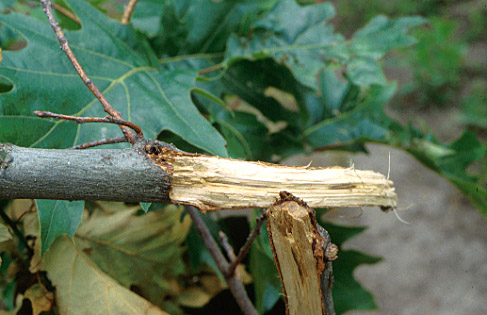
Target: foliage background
[[336, 112]]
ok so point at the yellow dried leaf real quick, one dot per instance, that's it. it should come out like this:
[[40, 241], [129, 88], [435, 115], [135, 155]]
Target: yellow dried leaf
[[212, 284], [143, 251], [245, 277], [18, 207], [82, 288], [36, 261], [5, 238], [194, 297], [40, 298]]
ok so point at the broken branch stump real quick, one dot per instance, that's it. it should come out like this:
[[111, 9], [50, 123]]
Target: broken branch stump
[[214, 183], [152, 171], [302, 254]]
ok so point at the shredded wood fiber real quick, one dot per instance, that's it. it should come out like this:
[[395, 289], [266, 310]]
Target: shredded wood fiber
[[213, 183]]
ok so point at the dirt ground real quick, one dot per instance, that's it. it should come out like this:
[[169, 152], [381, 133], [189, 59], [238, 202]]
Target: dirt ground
[[437, 264]]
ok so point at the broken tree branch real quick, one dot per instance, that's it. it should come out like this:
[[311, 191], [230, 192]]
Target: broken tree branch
[[212, 183], [157, 172], [300, 255], [46, 6]]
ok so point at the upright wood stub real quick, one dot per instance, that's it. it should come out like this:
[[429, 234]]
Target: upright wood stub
[[298, 254]]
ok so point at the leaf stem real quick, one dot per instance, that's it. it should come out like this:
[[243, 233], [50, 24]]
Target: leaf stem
[[127, 13], [212, 68], [46, 6]]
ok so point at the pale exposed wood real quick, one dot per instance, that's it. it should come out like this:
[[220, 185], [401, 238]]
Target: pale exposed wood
[[299, 257], [212, 183]]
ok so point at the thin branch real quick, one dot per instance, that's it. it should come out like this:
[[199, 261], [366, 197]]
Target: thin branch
[[230, 254], [235, 286], [17, 232], [46, 6], [65, 12], [246, 247], [82, 120], [211, 68], [127, 13], [226, 245], [98, 142]]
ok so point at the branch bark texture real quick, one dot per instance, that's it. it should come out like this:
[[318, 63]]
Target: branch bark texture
[[112, 175], [158, 172]]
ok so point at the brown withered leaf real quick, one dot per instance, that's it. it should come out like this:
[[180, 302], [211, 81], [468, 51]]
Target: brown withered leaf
[[41, 299], [142, 252], [82, 288]]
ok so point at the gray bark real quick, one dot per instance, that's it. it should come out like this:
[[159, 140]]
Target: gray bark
[[112, 175]]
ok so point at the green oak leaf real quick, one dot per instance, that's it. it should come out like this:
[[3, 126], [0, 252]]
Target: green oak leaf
[[250, 81], [145, 206], [308, 44], [246, 137], [348, 294], [123, 66], [303, 45], [205, 25], [367, 122], [58, 217]]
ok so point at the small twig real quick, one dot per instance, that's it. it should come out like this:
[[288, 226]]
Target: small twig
[[65, 12], [127, 13], [246, 247], [230, 254], [17, 232], [46, 6], [98, 142], [235, 286], [82, 120], [211, 68], [226, 245]]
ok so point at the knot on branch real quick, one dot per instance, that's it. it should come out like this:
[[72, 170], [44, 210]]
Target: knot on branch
[[5, 156]]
